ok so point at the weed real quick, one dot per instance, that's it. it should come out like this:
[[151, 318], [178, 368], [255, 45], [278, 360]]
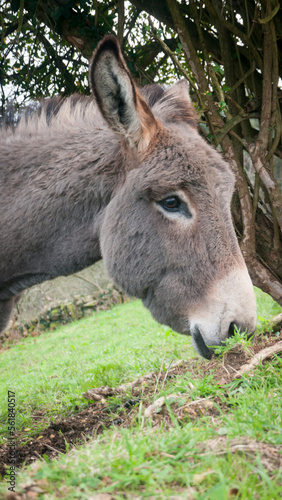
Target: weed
[[239, 337]]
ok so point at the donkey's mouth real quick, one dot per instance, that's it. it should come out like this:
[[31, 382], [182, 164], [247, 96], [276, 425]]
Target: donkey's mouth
[[200, 345]]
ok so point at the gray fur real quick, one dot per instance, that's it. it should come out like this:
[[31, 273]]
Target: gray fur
[[73, 191]]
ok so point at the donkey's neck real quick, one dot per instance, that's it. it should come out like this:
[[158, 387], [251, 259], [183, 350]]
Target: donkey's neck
[[62, 179]]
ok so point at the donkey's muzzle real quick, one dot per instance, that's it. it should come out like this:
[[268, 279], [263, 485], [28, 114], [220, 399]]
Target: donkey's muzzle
[[201, 347], [206, 351]]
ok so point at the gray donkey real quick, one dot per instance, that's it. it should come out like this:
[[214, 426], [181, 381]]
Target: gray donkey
[[125, 177]]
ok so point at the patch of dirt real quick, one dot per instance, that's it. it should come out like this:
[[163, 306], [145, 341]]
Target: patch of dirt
[[62, 434], [225, 369]]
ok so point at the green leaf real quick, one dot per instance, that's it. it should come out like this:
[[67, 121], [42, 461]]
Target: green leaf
[[222, 104], [217, 69]]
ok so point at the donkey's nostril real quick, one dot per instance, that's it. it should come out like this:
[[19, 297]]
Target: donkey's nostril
[[231, 331]]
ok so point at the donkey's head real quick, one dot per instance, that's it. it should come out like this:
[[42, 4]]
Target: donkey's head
[[167, 235]]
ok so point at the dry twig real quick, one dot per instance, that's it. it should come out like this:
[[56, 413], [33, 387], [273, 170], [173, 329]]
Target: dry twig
[[268, 352]]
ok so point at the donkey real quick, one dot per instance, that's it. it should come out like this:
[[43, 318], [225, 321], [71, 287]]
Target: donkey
[[125, 176]]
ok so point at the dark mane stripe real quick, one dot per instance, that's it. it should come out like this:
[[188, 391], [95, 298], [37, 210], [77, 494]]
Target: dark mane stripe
[[174, 109]]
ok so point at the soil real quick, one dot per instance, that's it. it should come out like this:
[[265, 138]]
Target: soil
[[86, 424]]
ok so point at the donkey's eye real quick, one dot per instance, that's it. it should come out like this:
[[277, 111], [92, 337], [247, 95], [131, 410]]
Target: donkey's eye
[[174, 204], [171, 204]]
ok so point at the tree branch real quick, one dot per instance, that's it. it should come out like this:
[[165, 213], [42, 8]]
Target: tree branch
[[121, 20], [174, 59], [68, 77], [268, 18]]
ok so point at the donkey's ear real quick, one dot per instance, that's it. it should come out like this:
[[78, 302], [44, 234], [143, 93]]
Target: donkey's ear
[[117, 96], [175, 105]]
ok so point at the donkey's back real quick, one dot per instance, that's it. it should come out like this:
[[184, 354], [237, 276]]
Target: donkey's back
[[50, 168]]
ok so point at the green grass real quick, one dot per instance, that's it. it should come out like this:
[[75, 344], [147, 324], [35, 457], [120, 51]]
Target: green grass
[[49, 373], [266, 308], [148, 462]]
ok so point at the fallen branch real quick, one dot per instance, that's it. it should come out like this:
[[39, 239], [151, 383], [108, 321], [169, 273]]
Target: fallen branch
[[52, 448], [276, 323], [99, 393], [153, 408], [268, 352], [171, 398]]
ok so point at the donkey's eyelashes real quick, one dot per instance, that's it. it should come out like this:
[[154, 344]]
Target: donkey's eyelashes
[[174, 204]]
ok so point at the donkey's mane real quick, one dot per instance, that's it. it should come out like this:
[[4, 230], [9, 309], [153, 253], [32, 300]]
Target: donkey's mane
[[167, 105]]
